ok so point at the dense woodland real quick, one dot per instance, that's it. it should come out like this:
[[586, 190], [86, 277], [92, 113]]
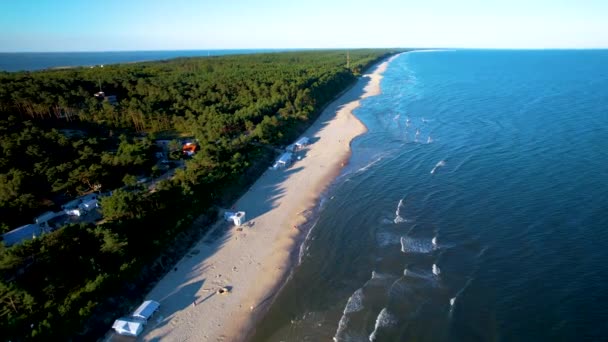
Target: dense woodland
[[58, 141]]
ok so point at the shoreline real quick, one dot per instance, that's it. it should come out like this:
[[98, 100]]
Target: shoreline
[[371, 89], [254, 261]]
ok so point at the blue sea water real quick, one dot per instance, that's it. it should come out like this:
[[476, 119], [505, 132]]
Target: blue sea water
[[22, 61], [474, 209]]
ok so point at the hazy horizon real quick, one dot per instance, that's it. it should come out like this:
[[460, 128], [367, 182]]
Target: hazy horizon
[[263, 49], [75, 26]]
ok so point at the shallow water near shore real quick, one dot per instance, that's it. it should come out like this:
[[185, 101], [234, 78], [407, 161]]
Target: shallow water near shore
[[473, 209]]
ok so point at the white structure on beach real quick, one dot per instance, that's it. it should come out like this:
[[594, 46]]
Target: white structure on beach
[[134, 324], [301, 143], [237, 217], [146, 310], [284, 160], [128, 326]]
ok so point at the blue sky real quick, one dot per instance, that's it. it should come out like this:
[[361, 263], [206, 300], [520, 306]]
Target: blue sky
[[80, 25]]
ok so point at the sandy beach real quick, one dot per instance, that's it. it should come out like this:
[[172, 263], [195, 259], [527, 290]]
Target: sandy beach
[[252, 262]]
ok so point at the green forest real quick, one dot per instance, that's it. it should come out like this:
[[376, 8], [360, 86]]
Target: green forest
[[58, 141]]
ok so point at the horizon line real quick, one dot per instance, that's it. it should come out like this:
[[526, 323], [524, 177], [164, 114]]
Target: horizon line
[[313, 48]]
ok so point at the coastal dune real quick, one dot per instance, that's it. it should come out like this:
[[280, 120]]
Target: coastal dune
[[251, 263]]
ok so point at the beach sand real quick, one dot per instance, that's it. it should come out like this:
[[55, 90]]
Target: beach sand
[[252, 262]]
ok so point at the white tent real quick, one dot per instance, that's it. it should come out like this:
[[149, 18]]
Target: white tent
[[128, 327], [146, 310], [284, 160], [303, 141], [237, 217]]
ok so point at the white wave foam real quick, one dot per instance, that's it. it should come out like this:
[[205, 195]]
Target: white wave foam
[[440, 164], [366, 167], [399, 205], [306, 243], [459, 293], [436, 270], [385, 319], [341, 328], [354, 304], [410, 245], [429, 140], [434, 241], [398, 217]]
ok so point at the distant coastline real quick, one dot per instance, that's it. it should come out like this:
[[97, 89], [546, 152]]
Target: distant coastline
[[34, 61]]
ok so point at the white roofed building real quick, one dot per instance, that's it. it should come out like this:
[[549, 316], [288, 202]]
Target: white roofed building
[[128, 326], [23, 233], [301, 143], [146, 309], [284, 160]]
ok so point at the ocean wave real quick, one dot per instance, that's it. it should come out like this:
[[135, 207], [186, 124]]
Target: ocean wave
[[354, 304], [458, 294], [306, 243], [378, 275], [436, 270], [366, 167], [411, 245], [438, 165], [418, 275], [399, 288], [385, 239], [385, 319], [398, 217]]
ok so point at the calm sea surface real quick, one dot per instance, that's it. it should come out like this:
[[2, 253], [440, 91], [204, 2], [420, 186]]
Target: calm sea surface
[[19, 61], [474, 209]]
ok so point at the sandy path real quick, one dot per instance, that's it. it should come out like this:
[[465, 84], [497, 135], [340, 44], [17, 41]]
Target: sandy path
[[253, 262]]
